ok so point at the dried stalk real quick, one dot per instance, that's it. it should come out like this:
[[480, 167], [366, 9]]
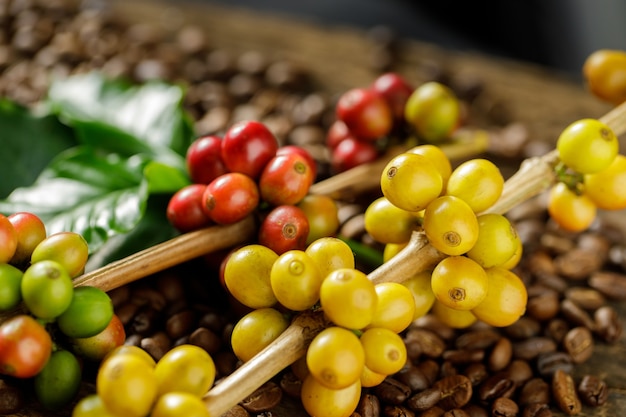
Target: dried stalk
[[533, 177]]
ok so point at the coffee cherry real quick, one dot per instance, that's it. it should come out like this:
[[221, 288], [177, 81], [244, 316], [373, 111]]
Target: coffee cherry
[[605, 75], [247, 146], [385, 351], [69, 249], [296, 279], [450, 225], [230, 198], [506, 298], [288, 149], [459, 282], [606, 188], [433, 111], [247, 275], [47, 289], [322, 214], [319, 400], [285, 179], [396, 90], [257, 329], [571, 211], [395, 308], [497, 241], [330, 254], [204, 159], [387, 223], [30, 232], [335, 358], [284, 228], [478, 182], [348, 298], [587, 146], [365, 112], [184, 210], [352, 152], [10, 286]]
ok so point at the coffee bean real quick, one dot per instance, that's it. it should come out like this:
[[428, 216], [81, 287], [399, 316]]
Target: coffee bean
[[413, 377], [577, 264], [180, 324], [608, 325], [556, 329], [456, 391], [264, 398], [369, 406], [548, 363], [474, 410], [291, 384], [524, 328], [504, 407], [543, 306], [206, 339], [477, 339], [156, 345], [500, 355], [463, 356], [455, 412], [425, 399], [593, 391], [578, 342], [564, 393], [392, 391], [535, 390], [611, 284], [519, 371], [576, 315], [496, 386], [586, 298], [532, 347], [423, 342], [433, 412], [477, 373]]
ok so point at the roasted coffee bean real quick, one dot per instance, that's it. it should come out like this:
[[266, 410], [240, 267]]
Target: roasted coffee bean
[[578, 342], [156, 345], [477, 339], [180, 324], [535, 390], [392, 391], [523, 328], [556, 329], [593, 390], [126, 312], [430, 368], [504, 407], [463, 356], [264, 398], [608, 325], [549, 363], [119, 296], [369, 406], [543, 306], [447, 369], [532, 347], [425, 399], [413, 377], [586, 298], [456, 391], [611, 284], [497, 385], [12, 398], [206, 339], [576, 315], [476, 372], [501, 354], [397, 411], [291, 384], [435, 325], [537, 410], [423, 342], [577, 264], [519, 371], [564, 393], [145, 321]]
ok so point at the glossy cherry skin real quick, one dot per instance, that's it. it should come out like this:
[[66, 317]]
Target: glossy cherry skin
[[184, 210], [247, 147], [284, 228], [337, 132], [352, 152], [365, 112], [287, 149], [204, 159], [396, 90], [230, 198], [286, 179]]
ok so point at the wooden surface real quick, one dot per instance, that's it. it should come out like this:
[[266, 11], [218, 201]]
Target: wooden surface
[[338, 59]]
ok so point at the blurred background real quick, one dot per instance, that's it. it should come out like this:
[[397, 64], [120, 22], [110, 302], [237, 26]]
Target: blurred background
[[556, 33]]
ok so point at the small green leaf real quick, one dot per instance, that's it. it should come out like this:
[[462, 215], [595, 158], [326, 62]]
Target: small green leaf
[[164, 178], [29, 142]]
